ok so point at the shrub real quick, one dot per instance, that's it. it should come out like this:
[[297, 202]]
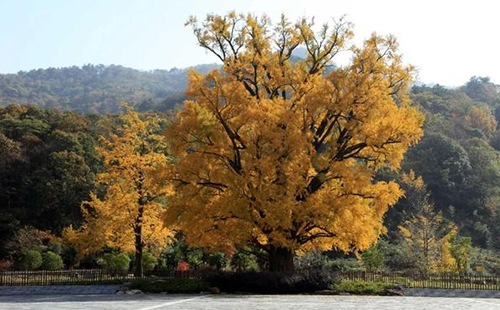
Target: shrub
[[69, 256], [460, 250], [359, 287], [271, 283], [149, 262], [397, 256], [116, 263], [172, 285], [344, 265], [52, 261], [373, 259], [241, 261], [217, 260], [311, 260], [121, 262], [30, 260], [489, 259]]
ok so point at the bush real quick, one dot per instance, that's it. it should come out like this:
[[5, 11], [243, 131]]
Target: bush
[[30, 260], [271, 283], [373, 259], [241, 261], [359, 287], [52, 261], [173, 285], [344, 265], [489, 259], [116, 263], [311, 260], [217, 260], [149, 262], [317, 260], [69, 256], [397, 256]]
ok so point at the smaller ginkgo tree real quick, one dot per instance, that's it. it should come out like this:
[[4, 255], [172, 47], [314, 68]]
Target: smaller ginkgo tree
[[127, 217]]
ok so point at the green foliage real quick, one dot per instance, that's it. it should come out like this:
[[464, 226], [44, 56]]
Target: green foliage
[[313, 260], [30, 260], [359, 287], [481, 89], [172, 285], [96, 88], [445, 167], [149, 262], [345, 265], [49, 169], [373, 259], [397, 256], [116, 263], [318, 260], [52, 261], [456, 160], [69, 256], [217, 260], [179, 251], [242, 261], [460, 250], [489, 259]]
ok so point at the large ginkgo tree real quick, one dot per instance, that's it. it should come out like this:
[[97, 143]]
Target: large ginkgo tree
[[279, 152]]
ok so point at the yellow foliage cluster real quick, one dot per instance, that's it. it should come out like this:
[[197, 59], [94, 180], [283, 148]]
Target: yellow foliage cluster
[[446, 262], [481, 119], [280, 152]]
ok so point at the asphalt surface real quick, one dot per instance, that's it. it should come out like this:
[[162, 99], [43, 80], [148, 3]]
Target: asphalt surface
[[239, 302]]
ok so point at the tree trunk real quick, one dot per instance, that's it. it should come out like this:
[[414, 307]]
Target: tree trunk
[[281, 259], [138, 227], [138, 251]]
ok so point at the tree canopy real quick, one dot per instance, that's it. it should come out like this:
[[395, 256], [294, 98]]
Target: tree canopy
[[281, 154], [128, 217]]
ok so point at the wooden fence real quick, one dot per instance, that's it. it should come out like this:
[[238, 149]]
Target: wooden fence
[[435, 281], [98, 276], [81, 276]]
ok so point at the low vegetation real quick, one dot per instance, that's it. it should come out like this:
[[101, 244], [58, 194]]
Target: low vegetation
[[359, 287], [271, 282]]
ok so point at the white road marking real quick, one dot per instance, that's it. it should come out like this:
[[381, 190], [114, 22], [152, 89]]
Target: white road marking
[[171, 303]]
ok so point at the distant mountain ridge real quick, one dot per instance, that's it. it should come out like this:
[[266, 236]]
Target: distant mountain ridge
[[97, 88]]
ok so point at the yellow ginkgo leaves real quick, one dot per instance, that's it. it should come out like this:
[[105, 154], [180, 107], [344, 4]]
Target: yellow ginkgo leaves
[[280, 152]]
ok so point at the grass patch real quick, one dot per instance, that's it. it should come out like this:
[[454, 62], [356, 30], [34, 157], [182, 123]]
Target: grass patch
[[359, 287], [171, 285]]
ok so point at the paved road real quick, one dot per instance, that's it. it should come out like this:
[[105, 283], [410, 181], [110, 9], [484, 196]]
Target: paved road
[[240, 302]]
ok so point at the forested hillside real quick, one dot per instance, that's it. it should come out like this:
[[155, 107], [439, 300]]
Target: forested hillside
[[459, 158], [96, 89]]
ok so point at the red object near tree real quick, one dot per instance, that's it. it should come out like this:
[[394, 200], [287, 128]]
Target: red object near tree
[[183, 266]]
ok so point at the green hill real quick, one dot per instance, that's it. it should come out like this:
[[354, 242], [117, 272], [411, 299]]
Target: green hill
[[96, 88]]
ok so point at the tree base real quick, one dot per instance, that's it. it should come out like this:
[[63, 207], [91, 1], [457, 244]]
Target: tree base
[[281, 259]]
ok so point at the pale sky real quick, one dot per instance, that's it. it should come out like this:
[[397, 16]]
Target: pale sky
[[448, 41]]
